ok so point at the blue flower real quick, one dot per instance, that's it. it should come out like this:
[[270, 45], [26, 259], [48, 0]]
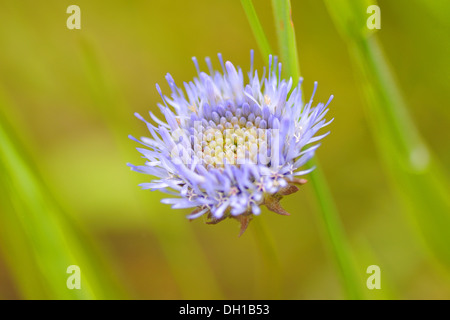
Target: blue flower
[[227, 146]]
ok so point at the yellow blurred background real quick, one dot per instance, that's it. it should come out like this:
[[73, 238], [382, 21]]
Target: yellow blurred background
[[71, 94]]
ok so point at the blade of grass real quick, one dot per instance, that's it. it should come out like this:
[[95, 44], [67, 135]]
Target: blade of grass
[[330, 216], [17, 253], [183, 252], [255, 25], [44, 230], [333, 229], [262, 236], [414, 171]]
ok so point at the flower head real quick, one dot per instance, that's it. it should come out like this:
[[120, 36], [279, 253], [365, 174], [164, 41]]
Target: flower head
[[228, 146]]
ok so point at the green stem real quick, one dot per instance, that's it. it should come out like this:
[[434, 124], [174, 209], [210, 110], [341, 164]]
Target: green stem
[[415, 173], [334, 230], [273, 272], [286, 39]]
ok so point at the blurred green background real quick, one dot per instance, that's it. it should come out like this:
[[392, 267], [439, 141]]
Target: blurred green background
[[67, 99]]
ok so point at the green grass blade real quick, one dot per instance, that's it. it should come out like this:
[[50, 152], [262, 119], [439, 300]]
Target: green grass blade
[[336, 236], [17, 252], [49, 240], [287, 44], [252, 17], [335, 233], [415, 173]]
